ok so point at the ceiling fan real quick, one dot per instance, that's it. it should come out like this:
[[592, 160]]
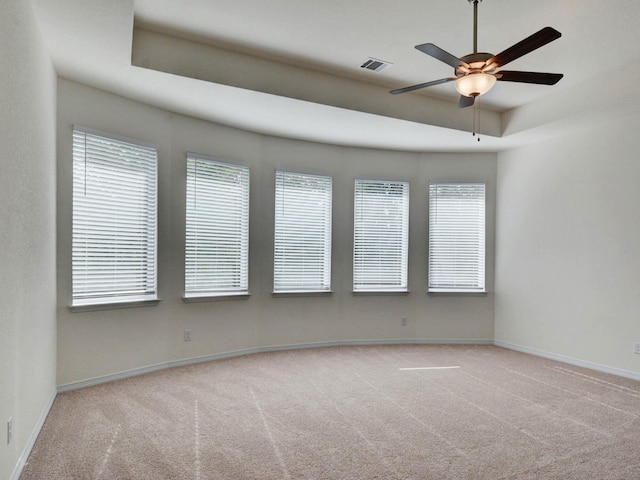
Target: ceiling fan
[[475, 74]]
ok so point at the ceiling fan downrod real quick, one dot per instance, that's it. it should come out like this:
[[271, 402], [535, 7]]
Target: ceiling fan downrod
[[475, 24], [476, 114]]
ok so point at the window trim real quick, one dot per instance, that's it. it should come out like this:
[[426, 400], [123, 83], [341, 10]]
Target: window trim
[[360, 289], [243, 290], [325, 284], [215, 298], [94, 307], [468, 291], [106, 302]]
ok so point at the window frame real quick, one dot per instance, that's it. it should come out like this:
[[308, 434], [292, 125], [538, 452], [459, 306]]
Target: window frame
[[435, 286], [402, 266], [322, 262], [94, 225], [212, 196]]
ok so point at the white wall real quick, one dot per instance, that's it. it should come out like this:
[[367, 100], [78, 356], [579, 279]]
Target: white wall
[[94, 344], [568, 236], [27, 229]]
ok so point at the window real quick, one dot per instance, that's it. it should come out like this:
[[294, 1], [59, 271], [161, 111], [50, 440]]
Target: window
[[456, 237], [114, 220], [217, 228], [381, 236], [302, 246]]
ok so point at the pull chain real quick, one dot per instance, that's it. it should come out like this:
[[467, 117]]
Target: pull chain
[[476, 121], [478, 130]]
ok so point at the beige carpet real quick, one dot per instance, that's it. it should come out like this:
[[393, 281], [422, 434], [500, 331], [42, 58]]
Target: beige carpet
[[392, 412]]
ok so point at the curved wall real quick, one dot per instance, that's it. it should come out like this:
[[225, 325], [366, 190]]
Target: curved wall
[[102, 343]]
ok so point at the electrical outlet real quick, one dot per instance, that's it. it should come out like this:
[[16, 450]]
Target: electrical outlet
[[403, 322], [636, 347], [187, 335], [9, 430]]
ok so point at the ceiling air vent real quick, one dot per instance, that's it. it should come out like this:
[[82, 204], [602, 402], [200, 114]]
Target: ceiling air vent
[[374, 64]]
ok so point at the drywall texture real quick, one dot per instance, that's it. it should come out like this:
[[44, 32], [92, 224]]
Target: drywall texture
[[94, 344], [27, 230], [568, 231]]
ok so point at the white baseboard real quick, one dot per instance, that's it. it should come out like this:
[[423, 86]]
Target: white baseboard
[[32, 439], [569, 360], [275, 348]]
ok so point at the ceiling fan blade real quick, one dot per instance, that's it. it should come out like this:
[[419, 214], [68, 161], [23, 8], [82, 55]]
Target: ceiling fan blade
[[529, 77], [440, 54], [421, 85], [466, 101], [529, 44]]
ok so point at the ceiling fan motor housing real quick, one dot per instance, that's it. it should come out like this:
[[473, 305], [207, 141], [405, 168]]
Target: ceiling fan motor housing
[[476, 62]]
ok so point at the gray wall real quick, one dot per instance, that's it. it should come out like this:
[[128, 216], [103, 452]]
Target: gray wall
[[94, 344], [27, 229], [568, 236]]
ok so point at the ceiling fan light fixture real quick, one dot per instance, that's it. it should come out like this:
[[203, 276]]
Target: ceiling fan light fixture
[[475, 84]]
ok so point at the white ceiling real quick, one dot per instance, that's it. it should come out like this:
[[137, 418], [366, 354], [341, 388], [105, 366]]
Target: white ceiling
[[291, 67]]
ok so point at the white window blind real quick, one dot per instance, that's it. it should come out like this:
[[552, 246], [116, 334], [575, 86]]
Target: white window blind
[[302, 247], [457, 237], [114, 220], [381, 236], [217, 228]]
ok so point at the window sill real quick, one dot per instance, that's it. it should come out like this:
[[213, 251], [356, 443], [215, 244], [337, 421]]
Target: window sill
[[215, 298], [92, 307], [302, 293], [368, 293], [466, 293]]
